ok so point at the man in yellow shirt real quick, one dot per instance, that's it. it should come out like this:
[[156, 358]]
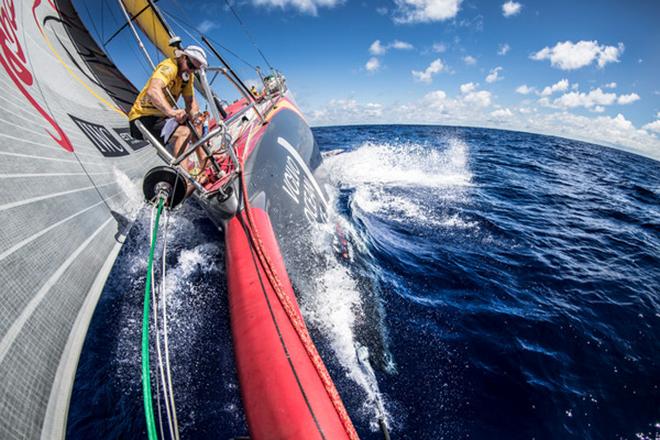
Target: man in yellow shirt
[[154, 106]]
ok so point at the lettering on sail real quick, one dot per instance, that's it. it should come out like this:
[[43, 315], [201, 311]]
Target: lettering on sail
[[14, 61]]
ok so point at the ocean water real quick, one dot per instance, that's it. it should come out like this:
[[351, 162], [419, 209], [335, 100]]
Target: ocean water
[[518, 281]]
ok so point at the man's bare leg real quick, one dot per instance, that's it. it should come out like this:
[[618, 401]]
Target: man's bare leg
[[180, 137]]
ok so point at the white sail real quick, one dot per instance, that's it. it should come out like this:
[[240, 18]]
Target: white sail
[[66, 160]]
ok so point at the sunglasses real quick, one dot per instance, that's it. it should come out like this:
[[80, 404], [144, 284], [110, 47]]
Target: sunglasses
[[191, 65]]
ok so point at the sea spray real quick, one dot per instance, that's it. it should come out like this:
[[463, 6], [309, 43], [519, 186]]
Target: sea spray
[[406, 182]]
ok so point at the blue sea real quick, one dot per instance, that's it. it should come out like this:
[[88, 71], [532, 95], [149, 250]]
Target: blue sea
[[518, 283]]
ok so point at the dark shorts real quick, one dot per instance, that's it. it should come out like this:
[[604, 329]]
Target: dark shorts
[[152, 123]]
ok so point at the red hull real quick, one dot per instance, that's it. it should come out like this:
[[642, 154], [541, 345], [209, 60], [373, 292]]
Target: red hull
[[283, 395]]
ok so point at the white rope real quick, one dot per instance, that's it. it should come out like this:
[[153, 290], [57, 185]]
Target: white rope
[[158, 350], [165, 331], [160, 417]]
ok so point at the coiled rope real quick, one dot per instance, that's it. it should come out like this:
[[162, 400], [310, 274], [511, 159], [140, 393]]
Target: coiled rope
[[295, 318]]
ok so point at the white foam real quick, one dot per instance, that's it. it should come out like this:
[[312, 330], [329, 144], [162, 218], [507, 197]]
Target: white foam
[[335, 308], [406, 182], [134, 197], [403, 164]]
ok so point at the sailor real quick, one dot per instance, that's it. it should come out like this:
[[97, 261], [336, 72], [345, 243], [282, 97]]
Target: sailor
[[154, 107]]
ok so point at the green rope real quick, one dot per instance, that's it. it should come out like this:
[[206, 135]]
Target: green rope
[[146, 371]]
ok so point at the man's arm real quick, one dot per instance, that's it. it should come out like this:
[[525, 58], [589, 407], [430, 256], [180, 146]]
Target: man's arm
[[158, 99], [191, 106]]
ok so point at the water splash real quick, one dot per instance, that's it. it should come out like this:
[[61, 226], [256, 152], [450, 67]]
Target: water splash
[[406, 182], [134, 197]]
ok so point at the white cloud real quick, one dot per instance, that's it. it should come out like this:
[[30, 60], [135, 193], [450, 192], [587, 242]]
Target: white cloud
[[439, 47], [503, 49], [427, 74], [569, 55], [425, 11], [469, 60], [595, 100], [347, 111], [377, 48], [653, 126], [206, 26], [382, 10], [611, 85], [511, 8], [401, 45], [481, 98], [307, 6], [502, 113], [493, 75], [437, 100], [474, 109], [613, 131], [627, 99], [586, 100], [559, 86], [468, 87], [372, 65], [524, 89], [461, 106]]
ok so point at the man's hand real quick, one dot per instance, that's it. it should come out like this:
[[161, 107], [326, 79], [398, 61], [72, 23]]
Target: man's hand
[[180, 115]]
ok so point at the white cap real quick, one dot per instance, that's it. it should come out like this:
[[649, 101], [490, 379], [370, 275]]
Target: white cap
[[195, 53]]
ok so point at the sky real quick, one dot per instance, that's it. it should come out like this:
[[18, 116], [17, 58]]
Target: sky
[[583, 70]]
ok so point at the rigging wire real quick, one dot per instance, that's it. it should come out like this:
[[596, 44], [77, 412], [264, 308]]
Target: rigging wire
[[249, 35], [91, 20], [135, 51], [185, 25], [168, 369]]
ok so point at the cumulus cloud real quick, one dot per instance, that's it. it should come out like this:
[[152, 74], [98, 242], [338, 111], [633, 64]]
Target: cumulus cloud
[[559, 86], [425, 11], [401, 45], [377, 48], [570, 56], [653, 126], [503, 49], [627, 99], [511, 8], [595, 100], [479, 98], [611, 85], [469, 60], [461, 106], [524, 89], [502, 113], [468, 87], [347, 111], [437, 107], [372, 65], [305, 6], [427, 74], [586, 100], [493, 75]]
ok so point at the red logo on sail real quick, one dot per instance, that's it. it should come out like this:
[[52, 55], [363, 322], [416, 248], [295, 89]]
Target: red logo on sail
[[14, 61]]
